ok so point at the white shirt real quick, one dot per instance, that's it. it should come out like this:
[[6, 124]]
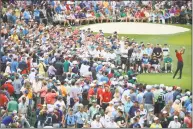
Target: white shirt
[[88, 15], [61, 103], [96, 124], [111, 125], [174, 124], [8, 70], [165, 51], [32, 76]]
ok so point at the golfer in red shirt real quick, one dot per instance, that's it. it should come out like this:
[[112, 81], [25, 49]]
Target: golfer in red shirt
[[180, 62], [106, 97]]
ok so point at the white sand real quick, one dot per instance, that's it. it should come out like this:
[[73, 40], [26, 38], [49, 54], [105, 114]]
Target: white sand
[[136, 28]]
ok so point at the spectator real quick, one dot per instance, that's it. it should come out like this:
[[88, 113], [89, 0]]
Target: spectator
[[175, 123]]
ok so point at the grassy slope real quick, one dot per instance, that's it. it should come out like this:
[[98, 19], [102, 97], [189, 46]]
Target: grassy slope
[[175, 41]]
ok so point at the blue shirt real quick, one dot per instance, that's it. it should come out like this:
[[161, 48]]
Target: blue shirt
[[86, 87], [149, 51], [99, 67], [36, 13], [4, 59], [79, 117], [14, 66], [58, 9], [187, 102], [70, 120], [168, 97], [7, 120], [26, 15], [189, 108], [145, 60], [140, 98], [127, 106], [25, 31], [148, 96], [104, 79]]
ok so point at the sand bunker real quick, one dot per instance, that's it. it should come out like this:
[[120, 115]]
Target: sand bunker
[[136, 28]]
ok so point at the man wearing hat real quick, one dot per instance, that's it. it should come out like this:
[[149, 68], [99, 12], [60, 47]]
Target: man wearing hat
[[148, 98], [81, 117], [91, 93], [8, 68], [174, 123], [169, 95], [8, 86], [93, 109], [168, 64], [17, 86], [164, 120], [156, 123]]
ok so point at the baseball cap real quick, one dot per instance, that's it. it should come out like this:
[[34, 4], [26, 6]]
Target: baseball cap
[[156, 118], [175, 117]]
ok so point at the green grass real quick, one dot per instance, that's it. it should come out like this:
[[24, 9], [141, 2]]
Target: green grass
[[175, 41]]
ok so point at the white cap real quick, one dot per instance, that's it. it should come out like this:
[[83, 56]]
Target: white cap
[[92, 85], [161, 85], [14, 111], [175, 117], [164, 112], [177, 101], [178, 88], [188, 92], [156, 118]]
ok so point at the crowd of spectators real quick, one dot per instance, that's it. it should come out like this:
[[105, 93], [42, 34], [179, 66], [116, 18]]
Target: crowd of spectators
[[76, 78], [85, 12]]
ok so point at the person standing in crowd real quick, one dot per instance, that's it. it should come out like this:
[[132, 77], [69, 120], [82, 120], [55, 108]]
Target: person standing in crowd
[[180, 62], [12, 105], [17, 87], [105, 97], [148, 98]]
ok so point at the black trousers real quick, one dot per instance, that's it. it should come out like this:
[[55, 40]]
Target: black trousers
[[179, 67], [104, 106]]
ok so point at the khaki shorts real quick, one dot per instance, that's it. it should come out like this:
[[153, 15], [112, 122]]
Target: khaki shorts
[[70, 126]]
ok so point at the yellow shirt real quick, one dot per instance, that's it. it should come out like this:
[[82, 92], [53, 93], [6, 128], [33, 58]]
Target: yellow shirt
[[17, 13], [63, 91], [30, 94], [14, 37], [154, 125], [105, 4], [41, 68]]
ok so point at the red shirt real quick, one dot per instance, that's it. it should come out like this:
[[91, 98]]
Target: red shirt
[[179, 56], [50, 98], [90, 93], [9, 86], [28, 66], [4, 100], [99, 93], [142, 14], [110, 75], [106, 96], [188, 122]]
